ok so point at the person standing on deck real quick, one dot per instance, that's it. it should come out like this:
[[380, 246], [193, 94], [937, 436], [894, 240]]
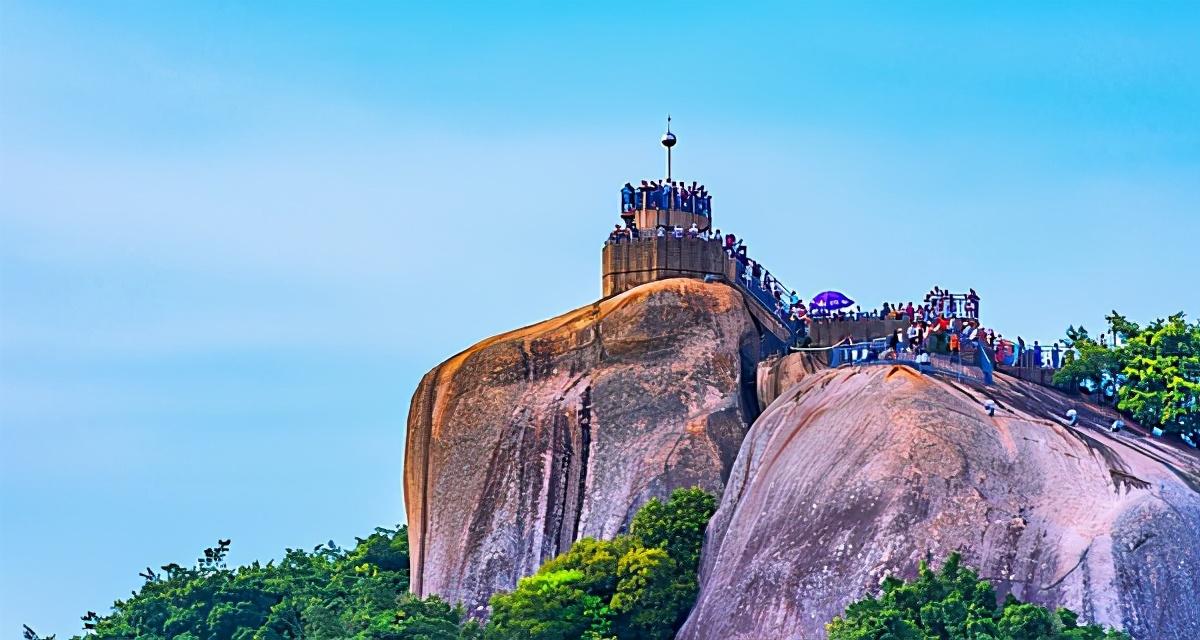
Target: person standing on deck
[[627, 197], [642, 196]]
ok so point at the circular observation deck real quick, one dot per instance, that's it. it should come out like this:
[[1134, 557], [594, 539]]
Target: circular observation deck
[[654, 204]]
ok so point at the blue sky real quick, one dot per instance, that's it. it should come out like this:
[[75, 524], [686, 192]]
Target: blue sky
[[233, 236]]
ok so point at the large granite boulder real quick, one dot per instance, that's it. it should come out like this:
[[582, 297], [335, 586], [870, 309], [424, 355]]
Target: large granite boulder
[[533, 439], [853, 474]]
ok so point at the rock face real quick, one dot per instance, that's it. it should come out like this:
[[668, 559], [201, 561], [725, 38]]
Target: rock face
[[852, 474], [777, 375], [533, 439]]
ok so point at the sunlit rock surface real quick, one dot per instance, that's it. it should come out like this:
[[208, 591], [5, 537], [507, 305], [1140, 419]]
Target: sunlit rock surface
[[852, 474], [532, 439]]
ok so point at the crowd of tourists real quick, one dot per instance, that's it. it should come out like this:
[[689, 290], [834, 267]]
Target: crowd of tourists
[[953, 321], [664, 194], [938, 303], [941, 302], [944, 316], [955, 333]]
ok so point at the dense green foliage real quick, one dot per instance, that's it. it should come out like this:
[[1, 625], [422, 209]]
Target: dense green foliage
[[954, 604], [1155, 371], [1087, 361], [327, 593], [639, 585]]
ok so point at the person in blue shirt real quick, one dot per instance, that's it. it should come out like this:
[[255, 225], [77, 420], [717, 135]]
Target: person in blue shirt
[[642, 195], [627, 192]]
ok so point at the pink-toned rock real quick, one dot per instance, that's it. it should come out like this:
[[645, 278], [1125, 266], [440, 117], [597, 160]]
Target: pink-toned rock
[[533, 439], [853, 474], [776, 375]]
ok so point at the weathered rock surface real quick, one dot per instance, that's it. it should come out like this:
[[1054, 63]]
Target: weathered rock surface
[[777, 375], [533, 439], [856, 473]]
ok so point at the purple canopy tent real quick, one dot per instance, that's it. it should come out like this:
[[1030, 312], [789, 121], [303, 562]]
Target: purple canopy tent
[[831, 301]]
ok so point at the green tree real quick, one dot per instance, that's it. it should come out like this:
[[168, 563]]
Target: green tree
[[1157, 368], [1121, 326], [1023, 621], [954, 604], [1162, 372], [1086, 360], [651, 601], [676, 525], [323, 594], [551, 605], [640, 585]]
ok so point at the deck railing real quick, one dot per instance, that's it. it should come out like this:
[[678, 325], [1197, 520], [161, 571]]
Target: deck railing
[[646, 235], [753, 287], [877, 352]]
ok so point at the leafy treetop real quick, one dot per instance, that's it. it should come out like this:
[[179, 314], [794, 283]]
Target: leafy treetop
[[1158, 368], [954, 604], [636, 586]]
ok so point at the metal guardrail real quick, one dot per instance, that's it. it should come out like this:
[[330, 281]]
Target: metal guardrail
[[646, 235], [877, 352], [766, 300]]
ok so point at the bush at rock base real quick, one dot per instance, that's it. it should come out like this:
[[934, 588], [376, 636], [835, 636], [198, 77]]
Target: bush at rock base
[[639, 585], [952, 604]]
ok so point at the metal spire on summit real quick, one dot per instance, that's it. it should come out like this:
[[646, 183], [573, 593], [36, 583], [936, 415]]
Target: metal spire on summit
[[668, 141]]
